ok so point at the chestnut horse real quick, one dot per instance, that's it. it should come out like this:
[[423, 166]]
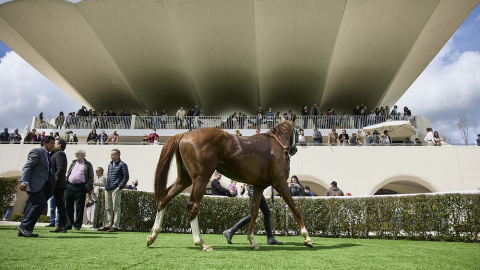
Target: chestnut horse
[[261, 160]]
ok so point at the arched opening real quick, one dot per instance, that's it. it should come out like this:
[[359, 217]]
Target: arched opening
[[405, 186], [315, 185]]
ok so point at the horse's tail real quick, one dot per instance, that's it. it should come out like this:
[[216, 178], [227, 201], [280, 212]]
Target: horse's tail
[[161, 175]]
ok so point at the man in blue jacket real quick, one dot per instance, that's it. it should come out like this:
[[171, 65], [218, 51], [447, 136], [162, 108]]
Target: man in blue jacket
[[116, 181]]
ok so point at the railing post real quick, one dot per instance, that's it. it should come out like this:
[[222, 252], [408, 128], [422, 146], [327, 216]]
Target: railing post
[[33, 123], [132, 124]]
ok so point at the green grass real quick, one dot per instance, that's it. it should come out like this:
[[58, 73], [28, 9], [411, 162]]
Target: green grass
[[87, 249]]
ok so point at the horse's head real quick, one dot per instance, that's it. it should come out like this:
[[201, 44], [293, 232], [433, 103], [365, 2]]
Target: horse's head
[[292, 148], [284, 129]]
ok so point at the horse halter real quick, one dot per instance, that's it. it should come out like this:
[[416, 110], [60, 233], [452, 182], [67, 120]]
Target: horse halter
[[292, 148]]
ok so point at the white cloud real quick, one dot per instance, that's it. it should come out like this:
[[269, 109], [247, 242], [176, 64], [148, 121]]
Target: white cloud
[[448, 89], [25, 93]]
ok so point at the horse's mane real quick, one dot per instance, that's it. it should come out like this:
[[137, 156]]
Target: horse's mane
[[281, 128]]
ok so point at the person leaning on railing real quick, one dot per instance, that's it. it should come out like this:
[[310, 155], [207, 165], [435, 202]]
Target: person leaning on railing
[[114, 138], [429, 137], [180, 116], [59, 120], [92, 137], [333, 137], [301, 137]]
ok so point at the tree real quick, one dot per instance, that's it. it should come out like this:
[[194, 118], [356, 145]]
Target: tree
[[463, 128]]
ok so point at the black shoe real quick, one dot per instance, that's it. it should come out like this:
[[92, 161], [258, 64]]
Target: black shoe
[[50, 225], [25, 233], [69, 227], [33, 235], [273, 241], [228, 236], [59, 230], [77, 228]]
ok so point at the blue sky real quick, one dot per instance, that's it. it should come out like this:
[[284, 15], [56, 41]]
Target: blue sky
[[449, 88]]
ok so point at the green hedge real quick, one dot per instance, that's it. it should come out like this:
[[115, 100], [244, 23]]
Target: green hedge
[[451, 217], [7, 189], [41, 219]]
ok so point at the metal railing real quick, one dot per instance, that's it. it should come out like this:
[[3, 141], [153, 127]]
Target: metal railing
[[224, 122]]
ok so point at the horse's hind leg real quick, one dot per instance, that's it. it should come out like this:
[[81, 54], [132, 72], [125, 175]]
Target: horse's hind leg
[[181, 184], [199, 186], [284, 192], [156, 227]]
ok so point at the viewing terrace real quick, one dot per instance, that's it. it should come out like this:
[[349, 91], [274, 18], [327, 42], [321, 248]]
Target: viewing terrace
[[132, 128]]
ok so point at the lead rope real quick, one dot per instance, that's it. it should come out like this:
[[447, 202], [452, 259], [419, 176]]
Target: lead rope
[[285, 149]]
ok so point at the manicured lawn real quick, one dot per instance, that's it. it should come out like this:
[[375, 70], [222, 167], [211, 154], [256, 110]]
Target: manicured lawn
[[87, 249]]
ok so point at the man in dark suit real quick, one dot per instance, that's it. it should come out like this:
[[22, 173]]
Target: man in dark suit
[[59, 163], [37, 181]]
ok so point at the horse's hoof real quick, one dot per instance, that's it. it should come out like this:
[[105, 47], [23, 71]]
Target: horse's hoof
[[255, 247], [149, 240], [207, 248], [308, 243]]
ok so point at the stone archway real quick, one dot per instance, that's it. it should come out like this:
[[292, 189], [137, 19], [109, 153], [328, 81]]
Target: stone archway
[[403, 185]]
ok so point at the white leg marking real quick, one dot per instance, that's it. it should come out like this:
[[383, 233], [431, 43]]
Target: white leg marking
[[196, 232], [307, 241], [253, 244], [158, 222], [197, 239], [156, 227]]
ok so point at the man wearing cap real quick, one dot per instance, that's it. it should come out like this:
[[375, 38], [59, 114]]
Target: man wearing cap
[[334, 190]]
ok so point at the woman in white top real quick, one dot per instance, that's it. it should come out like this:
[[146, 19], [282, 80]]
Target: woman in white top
[[429, 137], [301, 137]]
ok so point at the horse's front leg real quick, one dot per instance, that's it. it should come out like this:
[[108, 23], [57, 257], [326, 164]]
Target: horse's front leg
[[193, 206], [284, 192], [256, 198], [197, 239]]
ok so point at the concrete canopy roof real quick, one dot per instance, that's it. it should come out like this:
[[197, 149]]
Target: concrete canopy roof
[[231, 55]]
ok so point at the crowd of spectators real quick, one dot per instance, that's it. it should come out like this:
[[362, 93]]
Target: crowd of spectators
[[191, 118]]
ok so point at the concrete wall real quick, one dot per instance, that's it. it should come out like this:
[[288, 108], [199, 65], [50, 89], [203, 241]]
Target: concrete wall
[[358, 170]]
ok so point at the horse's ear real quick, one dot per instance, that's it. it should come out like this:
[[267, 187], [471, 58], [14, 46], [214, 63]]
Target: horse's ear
[[294, 117]]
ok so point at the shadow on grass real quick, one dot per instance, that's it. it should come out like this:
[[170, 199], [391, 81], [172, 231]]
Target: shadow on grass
[[71, 236], [290, 246]]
